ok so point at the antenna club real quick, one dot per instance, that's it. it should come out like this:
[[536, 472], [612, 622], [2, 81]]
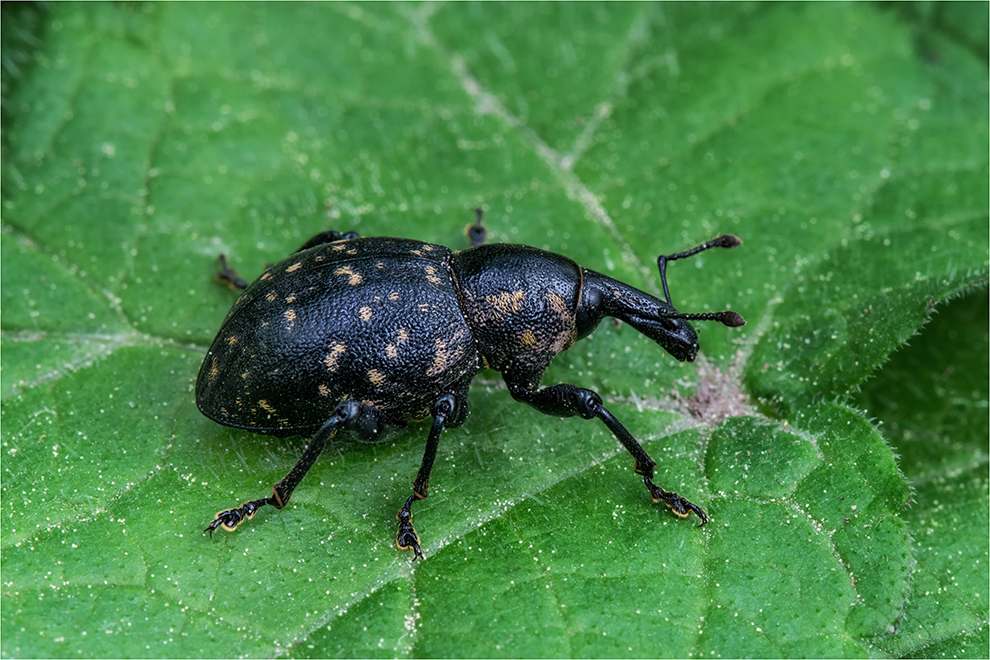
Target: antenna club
[[727, 241], [731, 319]]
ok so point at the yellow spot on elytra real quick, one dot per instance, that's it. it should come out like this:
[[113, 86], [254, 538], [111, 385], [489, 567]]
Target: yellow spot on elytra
[[271, 296], [431, 275], [528, 338], [338, 248], [290, 318], [393, 296], [214, 372], [365, 313], [352, 277], [336, 350], [443, 358], [416, 252], [324, 390], [376, 377], [267, 406], [391, 351], [439, 360], [557, 302], [403, 335], [231, 340], [266, 276], [291, 298], [294, 267], [245, 374]]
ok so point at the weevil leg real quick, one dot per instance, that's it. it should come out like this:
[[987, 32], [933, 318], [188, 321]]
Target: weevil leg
[[350, 415], [476, 230], [680, 506], [406, 538], [327, 237], [228, 275], [568, 400]]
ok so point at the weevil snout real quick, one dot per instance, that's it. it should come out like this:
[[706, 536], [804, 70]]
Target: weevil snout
[[677, 338]]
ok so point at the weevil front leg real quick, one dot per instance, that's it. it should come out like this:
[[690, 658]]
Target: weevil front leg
[[444, 412], [568, 400]]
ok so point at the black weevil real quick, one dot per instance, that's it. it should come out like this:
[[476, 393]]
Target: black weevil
[[366, 334]]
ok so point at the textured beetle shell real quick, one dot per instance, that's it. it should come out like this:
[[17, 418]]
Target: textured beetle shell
[[521, 304], [371, 319]]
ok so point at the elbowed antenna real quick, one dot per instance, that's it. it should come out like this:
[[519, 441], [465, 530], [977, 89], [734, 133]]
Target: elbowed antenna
[[730, 319]]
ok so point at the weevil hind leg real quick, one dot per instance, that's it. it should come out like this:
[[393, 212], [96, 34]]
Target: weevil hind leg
[[228, 275], [566, 400], [350, 416]]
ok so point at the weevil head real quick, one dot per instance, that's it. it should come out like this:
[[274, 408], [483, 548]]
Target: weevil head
[[603, 296], [675, 335]]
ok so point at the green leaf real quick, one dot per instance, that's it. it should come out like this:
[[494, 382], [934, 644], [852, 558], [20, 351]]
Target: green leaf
[[846, 144], [933, 396]]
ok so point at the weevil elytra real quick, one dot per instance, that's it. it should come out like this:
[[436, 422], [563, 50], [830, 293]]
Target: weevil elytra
[[366, 334]]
